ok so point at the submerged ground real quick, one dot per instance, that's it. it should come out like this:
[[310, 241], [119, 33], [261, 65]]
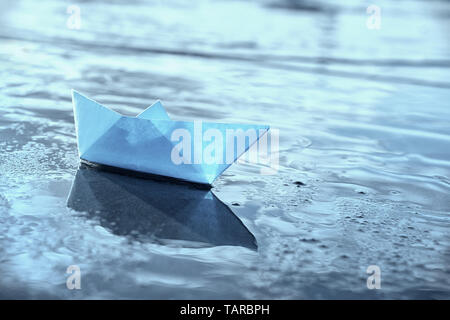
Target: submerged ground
[[363, 116]]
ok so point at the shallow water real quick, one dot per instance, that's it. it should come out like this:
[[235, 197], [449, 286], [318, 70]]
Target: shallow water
[[363, 119]]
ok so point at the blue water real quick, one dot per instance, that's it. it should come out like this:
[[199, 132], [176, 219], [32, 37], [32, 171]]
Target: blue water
[[363, 117]]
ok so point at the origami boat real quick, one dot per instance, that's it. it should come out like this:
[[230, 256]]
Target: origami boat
[[153, 144]]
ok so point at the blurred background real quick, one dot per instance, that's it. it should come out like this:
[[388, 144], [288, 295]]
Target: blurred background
[[359, 90]]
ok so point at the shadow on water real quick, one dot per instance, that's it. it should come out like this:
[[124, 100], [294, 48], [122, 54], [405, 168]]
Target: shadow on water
[[149, 210]]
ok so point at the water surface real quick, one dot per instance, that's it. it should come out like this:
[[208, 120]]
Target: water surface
[[364, 126]]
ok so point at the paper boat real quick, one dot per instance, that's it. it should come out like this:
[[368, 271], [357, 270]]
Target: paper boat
[[154, 144]]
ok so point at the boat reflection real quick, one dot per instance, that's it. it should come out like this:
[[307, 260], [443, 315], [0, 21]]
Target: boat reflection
[[149, 210]]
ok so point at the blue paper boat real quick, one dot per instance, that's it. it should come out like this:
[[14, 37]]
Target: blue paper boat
[[154, 144]]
